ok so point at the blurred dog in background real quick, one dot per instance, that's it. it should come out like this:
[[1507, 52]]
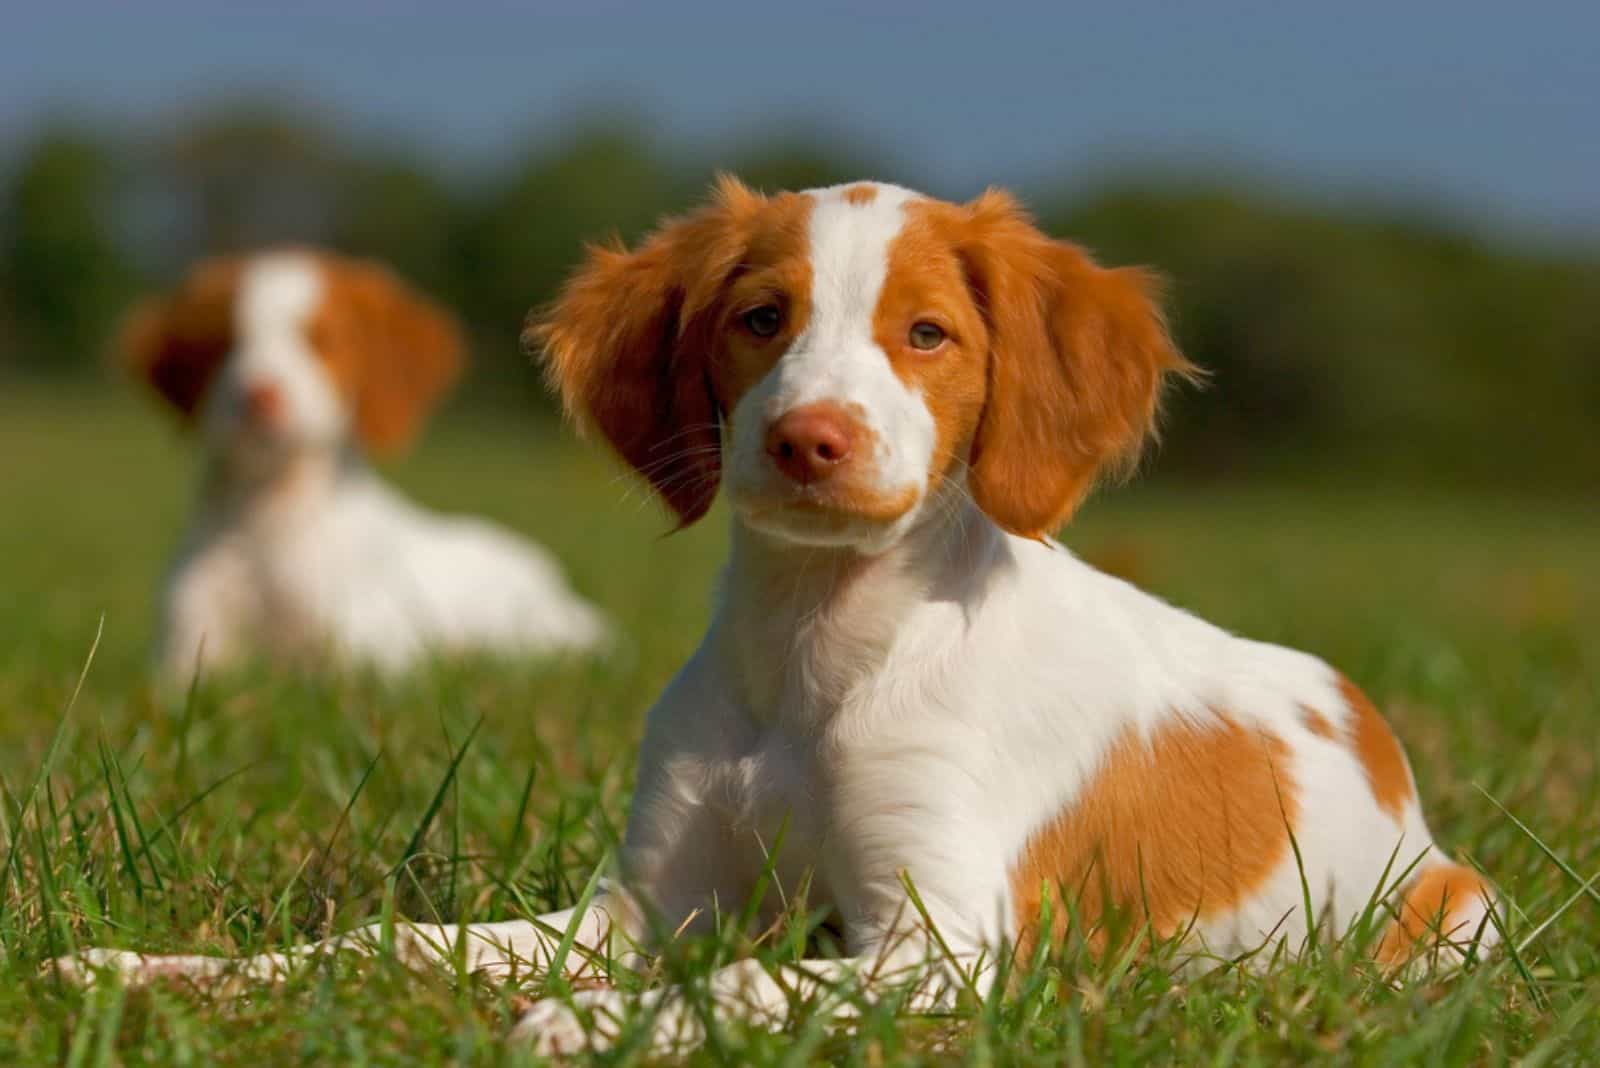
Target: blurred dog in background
[[294, 364]]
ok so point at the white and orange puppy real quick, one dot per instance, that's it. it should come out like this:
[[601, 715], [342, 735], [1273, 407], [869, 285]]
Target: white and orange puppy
[[905, 681], [294, 364]]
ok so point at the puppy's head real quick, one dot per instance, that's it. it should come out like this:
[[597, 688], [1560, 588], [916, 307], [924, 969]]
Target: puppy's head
[[288, 350], [837, 356]]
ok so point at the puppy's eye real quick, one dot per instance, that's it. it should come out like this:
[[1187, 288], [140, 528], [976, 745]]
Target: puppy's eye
[[764, 321], [926, 336]]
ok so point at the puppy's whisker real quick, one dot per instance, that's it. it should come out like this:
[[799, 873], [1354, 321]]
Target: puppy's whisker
[[692, 428], [679, 457]]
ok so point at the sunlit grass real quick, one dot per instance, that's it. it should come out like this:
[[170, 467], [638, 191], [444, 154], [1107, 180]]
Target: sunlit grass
[[264, 809]]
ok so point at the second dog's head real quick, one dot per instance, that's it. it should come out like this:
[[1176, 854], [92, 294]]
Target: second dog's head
[[282, 351], [839, 355]]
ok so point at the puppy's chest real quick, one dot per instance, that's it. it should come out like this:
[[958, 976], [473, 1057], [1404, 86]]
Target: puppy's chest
[[770, 787], [295, 570], [279, 579]]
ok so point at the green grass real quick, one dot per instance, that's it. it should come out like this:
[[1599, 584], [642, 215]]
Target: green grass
[[271, 809]]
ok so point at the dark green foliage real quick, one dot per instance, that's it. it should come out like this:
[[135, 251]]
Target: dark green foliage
[[62, 270], [1405, 349]]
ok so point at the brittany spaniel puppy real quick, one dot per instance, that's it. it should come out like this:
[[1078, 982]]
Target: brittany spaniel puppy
[[294, 364], [960, 734]]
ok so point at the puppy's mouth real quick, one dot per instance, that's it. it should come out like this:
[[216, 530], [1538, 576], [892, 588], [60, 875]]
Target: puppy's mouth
[[825, 513], [260, 433], [264, 427], [262, 438]]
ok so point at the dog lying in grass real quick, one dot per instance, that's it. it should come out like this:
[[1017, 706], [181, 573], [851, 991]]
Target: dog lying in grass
[[296, 364], [909, 696]]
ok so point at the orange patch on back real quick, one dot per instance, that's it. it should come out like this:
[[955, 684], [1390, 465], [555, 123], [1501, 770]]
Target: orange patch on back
[[1380, 754], [1172, 828], [861, 195], [1442, 903]]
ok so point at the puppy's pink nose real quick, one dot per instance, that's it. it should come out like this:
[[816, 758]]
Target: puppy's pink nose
[[263, 403], [810, 442]]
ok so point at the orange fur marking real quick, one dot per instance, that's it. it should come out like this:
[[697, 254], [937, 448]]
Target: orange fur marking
[[1317, 723], [1430, 911], [391, 351], [1380, 754], [177, 342], [1076, 356], [645, 346], [925, 281], [1177, 827], [775, 268], [861, 195]]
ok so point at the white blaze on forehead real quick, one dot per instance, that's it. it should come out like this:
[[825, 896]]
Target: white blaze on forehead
[[836, 357], [850, 260], [278, 292]]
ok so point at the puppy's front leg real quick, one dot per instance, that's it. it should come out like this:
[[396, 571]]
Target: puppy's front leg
[[773, 998], [506, 950]]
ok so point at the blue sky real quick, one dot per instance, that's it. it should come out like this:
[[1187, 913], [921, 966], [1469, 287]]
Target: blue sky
[[1486, 112]]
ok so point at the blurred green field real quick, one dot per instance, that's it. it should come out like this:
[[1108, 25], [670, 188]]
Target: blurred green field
[[270, 809]]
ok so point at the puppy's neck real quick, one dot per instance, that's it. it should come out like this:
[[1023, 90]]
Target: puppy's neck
[[802, 627], [240, 486]]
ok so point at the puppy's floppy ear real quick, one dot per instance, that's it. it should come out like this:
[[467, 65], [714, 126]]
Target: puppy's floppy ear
[[177, 342], [627, 346], [1077, 356], [392, 350]]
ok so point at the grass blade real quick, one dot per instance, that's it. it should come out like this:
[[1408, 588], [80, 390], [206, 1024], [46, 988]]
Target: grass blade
[[47, 764], [415, 845], [558, 959], [1585, 885], [122, 831]]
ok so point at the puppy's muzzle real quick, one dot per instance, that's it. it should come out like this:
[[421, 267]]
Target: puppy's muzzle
[[813, 443]]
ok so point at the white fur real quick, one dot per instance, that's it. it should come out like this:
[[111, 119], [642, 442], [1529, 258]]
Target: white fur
[[278, 294], [917, 706], [298, 550]]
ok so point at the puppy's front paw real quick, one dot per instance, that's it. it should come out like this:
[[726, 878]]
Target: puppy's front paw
[[554, 1026], [82, 968], [137, 969]]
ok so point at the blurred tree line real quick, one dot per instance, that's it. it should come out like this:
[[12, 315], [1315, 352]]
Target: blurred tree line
[[1385, 343]]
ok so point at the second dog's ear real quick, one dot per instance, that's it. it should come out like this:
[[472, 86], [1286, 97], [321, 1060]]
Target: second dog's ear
[[393, 351], [627, 346], [178, 342]]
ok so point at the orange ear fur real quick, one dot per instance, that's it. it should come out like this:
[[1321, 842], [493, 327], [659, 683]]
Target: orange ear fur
[[626, 345], [393, 351], [1077, 357], [177, 343]]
